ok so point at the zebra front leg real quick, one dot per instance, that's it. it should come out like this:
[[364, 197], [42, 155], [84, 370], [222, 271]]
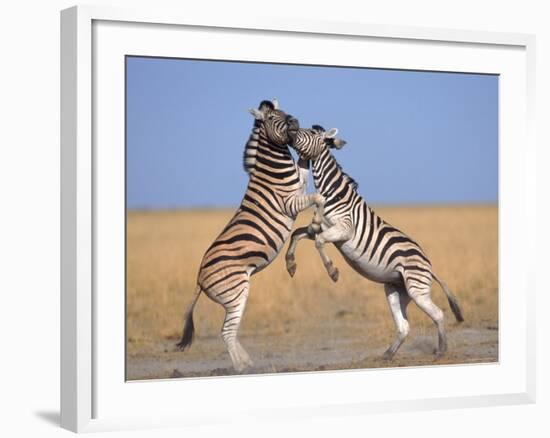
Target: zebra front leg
[[297, 235], [297, 204], [315, 225], [340, 232]]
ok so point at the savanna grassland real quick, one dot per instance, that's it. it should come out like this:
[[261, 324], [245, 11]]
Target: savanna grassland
[[306, 322]]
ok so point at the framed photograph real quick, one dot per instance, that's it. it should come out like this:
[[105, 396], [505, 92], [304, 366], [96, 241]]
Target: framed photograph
[[258, 208]]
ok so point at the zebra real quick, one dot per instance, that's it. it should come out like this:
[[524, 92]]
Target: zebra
[[276, 193], [370, 245]]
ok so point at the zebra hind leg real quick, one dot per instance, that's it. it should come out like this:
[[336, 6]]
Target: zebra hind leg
[[234, 309], [398, 300], [425, 303], [421, 296]]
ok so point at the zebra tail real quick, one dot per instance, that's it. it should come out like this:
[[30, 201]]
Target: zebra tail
[[453, 302], [189, 327]]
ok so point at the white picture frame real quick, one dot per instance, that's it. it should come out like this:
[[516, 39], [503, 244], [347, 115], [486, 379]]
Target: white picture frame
[[93, 395]]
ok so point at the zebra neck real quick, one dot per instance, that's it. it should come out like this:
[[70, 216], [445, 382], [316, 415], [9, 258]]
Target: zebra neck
[[274, 164], [328, 176], [325, 170], [267, 161], [259, 143]]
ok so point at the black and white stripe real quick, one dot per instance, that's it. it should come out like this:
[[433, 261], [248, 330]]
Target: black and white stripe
[[373, 247], [259, 228]]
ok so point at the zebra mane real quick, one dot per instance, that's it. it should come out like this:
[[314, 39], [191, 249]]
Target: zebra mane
[[354, 184], [251, 148], [330, 142], [318, 128]]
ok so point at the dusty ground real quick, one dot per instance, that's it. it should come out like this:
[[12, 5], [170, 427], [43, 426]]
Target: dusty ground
[[343, 348], [307, 323]]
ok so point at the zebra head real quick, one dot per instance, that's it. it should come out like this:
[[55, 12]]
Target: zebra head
[[310, 143], [279, 126]]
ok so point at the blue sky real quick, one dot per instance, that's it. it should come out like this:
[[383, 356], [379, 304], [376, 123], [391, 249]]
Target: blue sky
[[413, 137]]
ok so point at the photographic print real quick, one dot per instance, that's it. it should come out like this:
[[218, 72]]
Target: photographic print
[[288, 218]]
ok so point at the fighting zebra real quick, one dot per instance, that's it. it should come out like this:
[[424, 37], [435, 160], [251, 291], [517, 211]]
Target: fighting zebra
[[371, 246], [276, 193]]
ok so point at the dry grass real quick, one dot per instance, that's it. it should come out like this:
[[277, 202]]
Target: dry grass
[[165, 249]]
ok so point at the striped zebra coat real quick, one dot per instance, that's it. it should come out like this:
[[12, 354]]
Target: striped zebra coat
[[276, 193], [370, 245]]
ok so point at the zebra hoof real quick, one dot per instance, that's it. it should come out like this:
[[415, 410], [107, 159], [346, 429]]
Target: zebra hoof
[[242, 362], [240, 368], [334, 274], [388, 355], [291, 268], [243, 366]]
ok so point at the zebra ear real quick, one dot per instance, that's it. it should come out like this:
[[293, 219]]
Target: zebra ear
[[338, 143], [331, 133], [258, 115], [275, 103]]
